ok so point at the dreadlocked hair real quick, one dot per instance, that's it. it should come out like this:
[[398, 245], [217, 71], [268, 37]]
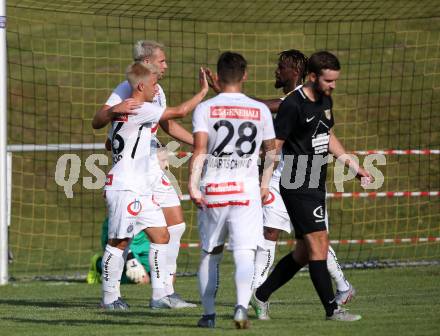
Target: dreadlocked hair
[[296, 59]]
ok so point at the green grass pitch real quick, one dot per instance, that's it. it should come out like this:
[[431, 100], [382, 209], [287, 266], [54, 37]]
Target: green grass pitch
[[402, 301]]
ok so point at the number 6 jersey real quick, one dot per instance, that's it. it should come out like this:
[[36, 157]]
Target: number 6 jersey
[[236, 127], [131, 140]]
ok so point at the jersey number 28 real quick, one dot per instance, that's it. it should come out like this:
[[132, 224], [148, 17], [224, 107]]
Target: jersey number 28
[[242, 138]]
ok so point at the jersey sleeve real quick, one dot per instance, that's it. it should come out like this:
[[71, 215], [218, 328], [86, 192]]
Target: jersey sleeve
[[122, 92], [286, 118], [268, 129], [200, 119], [148, 112]]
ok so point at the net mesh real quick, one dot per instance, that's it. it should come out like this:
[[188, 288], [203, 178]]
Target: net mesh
[[65, 57]]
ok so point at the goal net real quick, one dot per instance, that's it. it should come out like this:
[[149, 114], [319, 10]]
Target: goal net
[[65, 57]]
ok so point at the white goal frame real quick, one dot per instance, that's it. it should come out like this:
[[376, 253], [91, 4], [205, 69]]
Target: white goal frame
[[4, 276]]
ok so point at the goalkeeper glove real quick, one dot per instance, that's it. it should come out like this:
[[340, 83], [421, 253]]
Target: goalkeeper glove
[[136, 272]]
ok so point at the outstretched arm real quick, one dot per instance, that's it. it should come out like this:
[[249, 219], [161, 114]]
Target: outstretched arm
[[106, 113], [338, 150], [186, 107], [176, 131], [272, 104]]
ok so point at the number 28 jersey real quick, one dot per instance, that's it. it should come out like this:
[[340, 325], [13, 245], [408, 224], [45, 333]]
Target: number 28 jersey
[[130, 136], [236, 126]]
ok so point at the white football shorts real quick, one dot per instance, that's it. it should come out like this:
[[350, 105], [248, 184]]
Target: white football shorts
[[129, 213], [164, 192], [242, 221], [275, 214]]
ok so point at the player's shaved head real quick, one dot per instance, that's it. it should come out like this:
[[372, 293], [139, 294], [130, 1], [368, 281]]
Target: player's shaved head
[[145, 49], [322, 60], [231, 67], [139, 72]]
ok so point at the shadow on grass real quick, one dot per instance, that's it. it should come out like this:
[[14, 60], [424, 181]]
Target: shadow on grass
[[105, 323]]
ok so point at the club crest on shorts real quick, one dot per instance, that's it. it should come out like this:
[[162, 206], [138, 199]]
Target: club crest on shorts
[[328, 114], [319, 213], [270, 199], [134, 208]]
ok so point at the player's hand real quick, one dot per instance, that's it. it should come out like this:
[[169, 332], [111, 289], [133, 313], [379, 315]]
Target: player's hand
[[204, 87], [136, 272], [196, 197], [264, 192], [126, 107], [108, 144], [211, 80], [365, 177]]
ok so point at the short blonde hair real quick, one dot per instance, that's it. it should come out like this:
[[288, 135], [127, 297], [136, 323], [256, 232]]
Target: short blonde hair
[[139, 72], [145, 49]]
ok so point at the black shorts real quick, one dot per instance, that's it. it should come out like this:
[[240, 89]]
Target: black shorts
[[307, 212]]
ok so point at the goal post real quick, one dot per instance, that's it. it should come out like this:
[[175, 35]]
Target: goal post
[[3, 150]]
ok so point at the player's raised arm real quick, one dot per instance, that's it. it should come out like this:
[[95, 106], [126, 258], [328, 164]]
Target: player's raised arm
[[175, 130], [186, 107]]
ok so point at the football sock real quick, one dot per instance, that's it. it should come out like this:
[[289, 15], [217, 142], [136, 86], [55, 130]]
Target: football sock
[[263, 262], [209, 280], [286, 268], [335, 271], [244, 273], [176, 232], [112, 268], [157, 259], [323, 285]]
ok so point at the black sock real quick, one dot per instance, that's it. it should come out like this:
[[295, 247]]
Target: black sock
[[282, 273], [323, 284]]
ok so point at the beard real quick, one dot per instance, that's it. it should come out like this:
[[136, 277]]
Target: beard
[[279, 83], [320, 91]]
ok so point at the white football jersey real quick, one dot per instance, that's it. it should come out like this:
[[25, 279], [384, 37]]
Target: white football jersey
[[131, 142], [236, 127], [122, 92]]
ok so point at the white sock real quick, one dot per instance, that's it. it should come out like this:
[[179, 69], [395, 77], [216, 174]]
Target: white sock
[[176, 232], [244, 273], [209, 280], [263, 262], [112, 268], [335, 271], [158, 271]]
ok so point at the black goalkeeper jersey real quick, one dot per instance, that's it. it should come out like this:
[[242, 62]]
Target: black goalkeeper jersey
[[304, 126]]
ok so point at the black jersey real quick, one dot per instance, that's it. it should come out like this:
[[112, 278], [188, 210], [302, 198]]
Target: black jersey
[[304, 126]]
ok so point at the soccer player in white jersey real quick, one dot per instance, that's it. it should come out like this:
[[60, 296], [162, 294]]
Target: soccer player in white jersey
[[120, 102], [130, 186], [289, 75], [229, 130]]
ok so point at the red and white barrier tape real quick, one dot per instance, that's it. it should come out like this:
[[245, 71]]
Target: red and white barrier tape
[[413, 240], [372, 194], [368, 152], [388, 194], [399, 152]]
